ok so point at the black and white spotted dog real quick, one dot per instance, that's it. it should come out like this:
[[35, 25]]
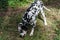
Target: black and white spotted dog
[[29, 18]]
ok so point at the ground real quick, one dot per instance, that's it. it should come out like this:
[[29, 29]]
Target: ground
[[10, 19]]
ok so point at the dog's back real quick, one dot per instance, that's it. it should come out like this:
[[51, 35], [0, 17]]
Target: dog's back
[[32, 11]]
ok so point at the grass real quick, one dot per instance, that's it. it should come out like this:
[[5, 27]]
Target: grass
[[9, 22], [19, 3]]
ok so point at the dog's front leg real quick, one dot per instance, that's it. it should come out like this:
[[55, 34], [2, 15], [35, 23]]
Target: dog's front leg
[[44, 18], [32, 31]]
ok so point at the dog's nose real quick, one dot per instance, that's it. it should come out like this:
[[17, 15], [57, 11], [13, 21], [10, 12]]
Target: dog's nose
[[22, 36]]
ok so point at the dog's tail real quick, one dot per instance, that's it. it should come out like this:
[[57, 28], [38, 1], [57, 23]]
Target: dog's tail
[[46, 8]]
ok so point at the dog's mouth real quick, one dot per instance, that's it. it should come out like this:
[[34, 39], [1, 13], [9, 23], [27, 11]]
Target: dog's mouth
[[23, 33]]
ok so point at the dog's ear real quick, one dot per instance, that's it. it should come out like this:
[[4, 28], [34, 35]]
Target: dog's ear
[[20, 24], [19, 27]]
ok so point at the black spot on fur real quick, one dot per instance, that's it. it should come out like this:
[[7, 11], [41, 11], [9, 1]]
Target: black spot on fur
[[25, 16], [24, 27]]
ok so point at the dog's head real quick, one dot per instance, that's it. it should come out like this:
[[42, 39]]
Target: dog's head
[[20, 29]]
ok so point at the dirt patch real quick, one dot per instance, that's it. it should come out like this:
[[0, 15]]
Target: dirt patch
[[11, 11]]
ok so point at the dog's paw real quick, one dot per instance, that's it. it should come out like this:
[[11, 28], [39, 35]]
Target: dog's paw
[[31, 34], [46, 24]]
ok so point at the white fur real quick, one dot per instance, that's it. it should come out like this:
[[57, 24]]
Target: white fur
[[43, 14], [46, 8], [32, 31], [23, 33], [19, 28]]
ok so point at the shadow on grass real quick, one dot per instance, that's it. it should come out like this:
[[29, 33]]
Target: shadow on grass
[[3, 5]]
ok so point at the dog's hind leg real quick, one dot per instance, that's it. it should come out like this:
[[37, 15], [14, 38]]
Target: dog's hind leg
[[43, 14], [46, 8]]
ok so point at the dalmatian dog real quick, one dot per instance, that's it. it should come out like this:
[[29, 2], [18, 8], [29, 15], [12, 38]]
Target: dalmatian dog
[[29, 18]]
